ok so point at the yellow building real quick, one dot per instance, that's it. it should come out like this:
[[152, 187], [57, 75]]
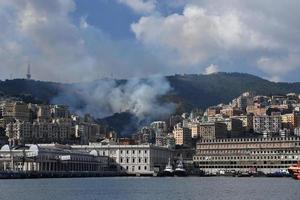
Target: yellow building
[[182, 135], [290, 121]]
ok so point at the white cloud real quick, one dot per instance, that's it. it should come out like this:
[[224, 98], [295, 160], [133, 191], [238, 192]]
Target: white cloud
[[278, 66], [60, 49], [197, 35], [211, 69], [229, 33], [140, 6]]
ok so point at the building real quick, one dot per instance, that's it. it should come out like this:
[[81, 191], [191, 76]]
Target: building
[[144, 135], [133, 159], [16, 110], [243, 101], [88, 132], [60, 111], [297, 131], [43, 112], [247, 122], [230, 111], [159, 125], [50, 158], [182, 135], [256, 109], [262, 154], [267, 124], [195, 128], [213, 110], [290, 121], [22, 132], [234, 127], [213, 130], [169, 141]]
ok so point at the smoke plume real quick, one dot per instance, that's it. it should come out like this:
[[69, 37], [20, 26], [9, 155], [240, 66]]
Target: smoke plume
[[103, 98]]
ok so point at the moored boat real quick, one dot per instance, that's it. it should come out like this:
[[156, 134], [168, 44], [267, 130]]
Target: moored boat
[[180, 171], [168, 171]]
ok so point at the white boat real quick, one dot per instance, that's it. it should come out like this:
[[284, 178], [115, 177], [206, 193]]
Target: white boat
[[168, 171], [180, 171]]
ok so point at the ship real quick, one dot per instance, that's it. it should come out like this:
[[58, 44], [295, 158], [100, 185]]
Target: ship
[[179, 170], [294, 170], [168, 171]]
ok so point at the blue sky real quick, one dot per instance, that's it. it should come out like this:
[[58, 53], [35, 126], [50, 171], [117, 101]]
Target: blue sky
[[82, 40]]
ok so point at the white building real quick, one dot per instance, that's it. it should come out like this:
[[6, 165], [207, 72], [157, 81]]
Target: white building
[[265, 123], [50, 158], [133, 159], [297, 131]]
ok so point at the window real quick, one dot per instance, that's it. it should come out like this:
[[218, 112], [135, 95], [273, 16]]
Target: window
[[145, 168]]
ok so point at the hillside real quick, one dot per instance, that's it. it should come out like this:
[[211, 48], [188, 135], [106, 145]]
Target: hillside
[[188, 91], [206, 90]]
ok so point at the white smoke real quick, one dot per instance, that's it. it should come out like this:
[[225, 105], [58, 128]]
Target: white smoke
[[140, 97]]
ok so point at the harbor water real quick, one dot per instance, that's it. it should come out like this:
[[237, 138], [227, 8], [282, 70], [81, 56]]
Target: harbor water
[[151, 188]]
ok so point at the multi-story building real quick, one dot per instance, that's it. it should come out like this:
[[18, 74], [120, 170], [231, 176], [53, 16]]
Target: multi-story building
[[256, 109], [16, 110], [144, 135], [133, 159], [297, 131], [195, 128], [169, 141], [213, 130], [159, 125], [267, 124], [247, 121], [234, 127], [18, 132], [182, 135], [213, 110], [262, 154], [243, 101], [290, 121], [230, 111], [60, 111], [44, 112], [21, 132], [87, 132], [50, 158]]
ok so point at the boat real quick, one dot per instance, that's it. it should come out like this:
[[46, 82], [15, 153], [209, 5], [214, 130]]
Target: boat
[[244, 174], [179, 170], [280, 173], [294, 170], [168, 171]]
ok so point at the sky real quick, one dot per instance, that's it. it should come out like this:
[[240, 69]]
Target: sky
[[83, 40]]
